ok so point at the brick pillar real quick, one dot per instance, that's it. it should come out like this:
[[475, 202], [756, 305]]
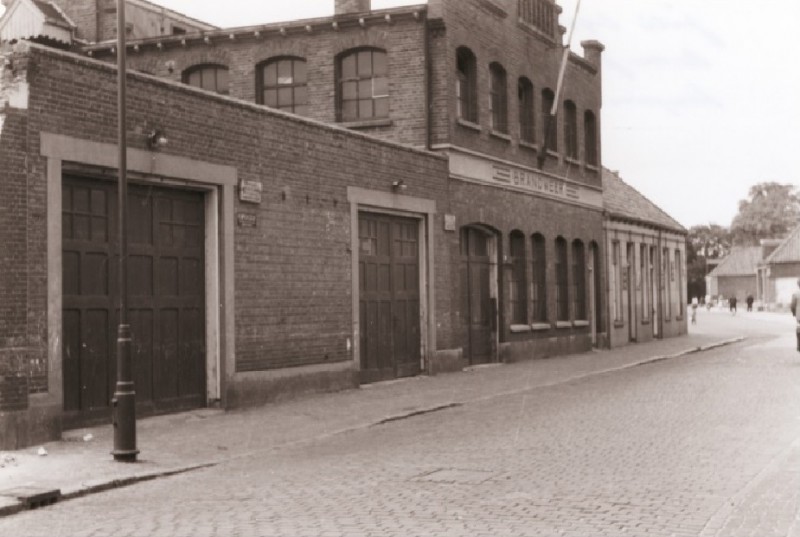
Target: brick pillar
[[344, 7]]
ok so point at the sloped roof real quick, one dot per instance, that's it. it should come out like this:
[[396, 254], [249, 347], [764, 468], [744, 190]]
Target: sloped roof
[[35, 19], [788, 251], [621, 200], [742, 261], [52, 13]]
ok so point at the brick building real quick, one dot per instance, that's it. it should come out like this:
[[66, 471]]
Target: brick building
[[402, 211], [778, 271], [646, 259]]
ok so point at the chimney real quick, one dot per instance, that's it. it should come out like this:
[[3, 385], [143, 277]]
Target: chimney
[[347, 7], [592, 52]]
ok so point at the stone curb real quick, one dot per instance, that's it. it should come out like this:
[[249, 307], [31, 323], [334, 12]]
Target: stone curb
[[17, 506]]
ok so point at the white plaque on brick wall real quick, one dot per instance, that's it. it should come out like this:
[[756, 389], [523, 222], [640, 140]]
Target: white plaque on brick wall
[[250, 191]]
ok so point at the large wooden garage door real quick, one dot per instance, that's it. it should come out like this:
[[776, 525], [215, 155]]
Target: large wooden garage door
[[389, 297], [166, 304]]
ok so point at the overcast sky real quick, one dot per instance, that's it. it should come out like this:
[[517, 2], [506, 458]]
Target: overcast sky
[[700, 97]]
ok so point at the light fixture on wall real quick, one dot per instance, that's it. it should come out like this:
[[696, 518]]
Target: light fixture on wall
[[399, 186], [156, 139]]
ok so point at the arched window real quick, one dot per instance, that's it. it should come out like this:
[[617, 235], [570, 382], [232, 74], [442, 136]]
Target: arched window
[[282, 83], [549, 125], [209, 77], [517, 288], [498, 98], [527, 124], [562, 281], [466, 85], [539, 279], [579, 280], [570, 130], [590, 138], [363, 85]]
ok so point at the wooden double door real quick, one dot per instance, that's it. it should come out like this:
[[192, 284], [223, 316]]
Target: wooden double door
[[166, 286], [389, 297]]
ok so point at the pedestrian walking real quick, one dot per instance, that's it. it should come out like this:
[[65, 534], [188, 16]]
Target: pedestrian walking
[[732, 304], [795, 307], [749, 301]]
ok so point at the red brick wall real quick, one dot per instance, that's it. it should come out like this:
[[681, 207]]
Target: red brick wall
[[293, 271], [402, 39], [492, 31], [14, 370]]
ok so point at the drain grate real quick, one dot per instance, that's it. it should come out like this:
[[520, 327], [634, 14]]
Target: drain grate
[[456, 476], [33, 497]]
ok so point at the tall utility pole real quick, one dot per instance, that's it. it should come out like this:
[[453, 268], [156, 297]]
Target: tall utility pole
[[124, 402]]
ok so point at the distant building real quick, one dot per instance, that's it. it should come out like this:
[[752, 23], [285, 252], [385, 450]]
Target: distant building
[[735, 276], [646, 260], [779, 271]]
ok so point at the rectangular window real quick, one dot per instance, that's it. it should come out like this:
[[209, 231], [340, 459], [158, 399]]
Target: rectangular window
[[679, 270], [665, 263], [539, 290], [527, 127], [562, 281], [579, 281], [644, 275], [616, 281], [517, 289]]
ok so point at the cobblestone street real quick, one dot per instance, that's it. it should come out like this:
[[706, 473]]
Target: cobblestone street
[[701, 445]]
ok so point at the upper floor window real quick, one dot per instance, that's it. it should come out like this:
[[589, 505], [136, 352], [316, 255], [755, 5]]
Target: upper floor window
[[466, 85], [363, 85], [517, 289], [570, 130], [527, 125], [540, 14], [590, 137], [209, 77], [282, 83], [498, 98], [549, 127]]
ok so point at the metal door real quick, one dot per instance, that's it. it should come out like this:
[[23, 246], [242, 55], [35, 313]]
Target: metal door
[[167, 298], [389, 297], [480, 309]]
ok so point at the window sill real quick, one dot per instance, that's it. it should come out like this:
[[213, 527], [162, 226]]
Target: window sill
[[580, 323], [540, 327], [551, 153], [592, 168], [469, 125], [529, 145], [367, 123], [563, 324], [519, 328], [501, 135], [645, 321], [573, 161], [619, 324]]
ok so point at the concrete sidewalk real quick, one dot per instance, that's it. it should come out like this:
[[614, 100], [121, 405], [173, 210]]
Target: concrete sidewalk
[[80, 463]]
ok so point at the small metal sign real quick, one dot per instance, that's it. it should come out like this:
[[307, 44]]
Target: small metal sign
[[246, 220], [250, 191], [449, 222]]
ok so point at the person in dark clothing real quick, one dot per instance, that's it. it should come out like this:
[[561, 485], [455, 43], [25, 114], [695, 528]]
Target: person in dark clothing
[[732, 303], [749, 302], [795, 307]]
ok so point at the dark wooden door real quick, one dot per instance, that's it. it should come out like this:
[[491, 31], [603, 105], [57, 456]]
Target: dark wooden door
[[389, 297], [480, 309], [166, 282]]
